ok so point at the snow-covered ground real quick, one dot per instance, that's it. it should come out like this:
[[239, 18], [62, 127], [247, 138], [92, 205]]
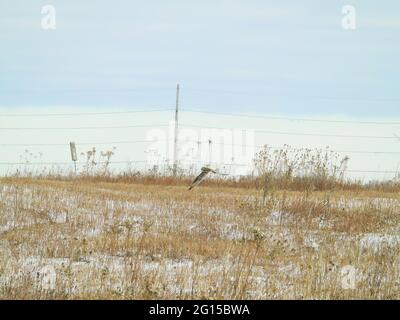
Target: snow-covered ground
[[60, 240]]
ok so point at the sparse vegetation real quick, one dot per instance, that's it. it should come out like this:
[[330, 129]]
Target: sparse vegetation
[[285, 233]]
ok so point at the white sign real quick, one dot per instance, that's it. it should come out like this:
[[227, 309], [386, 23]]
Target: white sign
[[73, 151]]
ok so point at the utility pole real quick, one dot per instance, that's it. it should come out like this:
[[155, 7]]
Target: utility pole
[[209, 152], [198, 151], [175, 166], [198, 162], [233, 149]]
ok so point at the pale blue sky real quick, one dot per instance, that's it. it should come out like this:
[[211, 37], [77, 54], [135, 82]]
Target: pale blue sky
[[282, 56], [289, 58]]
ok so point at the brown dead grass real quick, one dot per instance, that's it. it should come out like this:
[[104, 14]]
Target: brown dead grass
[[156, 240]]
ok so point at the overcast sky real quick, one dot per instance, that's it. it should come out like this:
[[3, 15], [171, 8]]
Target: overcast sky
[[265, 56], [283, 57]]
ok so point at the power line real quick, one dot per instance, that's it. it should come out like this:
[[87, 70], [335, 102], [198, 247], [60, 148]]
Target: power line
[[282, 147], [68, 163], [205, 127], [79, 144], [297, 133], [197, 111], [193, 141], [290, 95], [366, 152], [190, 162], [82, 128], [373, 171], [81, 113], [290, 118]]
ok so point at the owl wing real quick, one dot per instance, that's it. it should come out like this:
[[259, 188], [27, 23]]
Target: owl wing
[[198, 179]]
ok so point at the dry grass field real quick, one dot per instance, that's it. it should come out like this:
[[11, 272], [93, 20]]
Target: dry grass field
[[92, 239]]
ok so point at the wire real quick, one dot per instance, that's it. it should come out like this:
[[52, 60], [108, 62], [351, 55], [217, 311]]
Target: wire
[[198, 111], [81, 144], [289, 118], [83, 128], [281, 147], [193, 141], [81, 113], [373, 171], [193, 162], [208, 127], [298, 133], [67, 163], [297, 96]]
